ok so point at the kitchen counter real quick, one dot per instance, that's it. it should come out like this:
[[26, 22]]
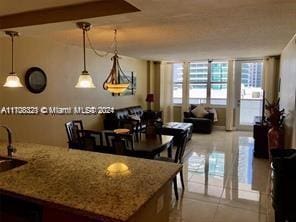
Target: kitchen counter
[[77, 181]]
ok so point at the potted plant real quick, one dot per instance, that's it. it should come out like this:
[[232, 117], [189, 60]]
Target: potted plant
[[275, 119]]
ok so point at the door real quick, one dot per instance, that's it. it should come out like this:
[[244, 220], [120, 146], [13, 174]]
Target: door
[[249, 93]]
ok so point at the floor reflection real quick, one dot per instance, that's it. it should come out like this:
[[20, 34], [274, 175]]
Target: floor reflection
[[220, 170]]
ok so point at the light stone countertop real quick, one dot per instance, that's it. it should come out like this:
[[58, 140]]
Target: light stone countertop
[[76, 180]]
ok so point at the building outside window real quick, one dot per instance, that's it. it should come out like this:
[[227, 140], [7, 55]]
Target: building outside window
[[208, 82], [218, 84], [252, 74], [177, 83], [198, 80]]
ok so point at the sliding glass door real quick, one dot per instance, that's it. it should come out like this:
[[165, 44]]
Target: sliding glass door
[[249, 92]]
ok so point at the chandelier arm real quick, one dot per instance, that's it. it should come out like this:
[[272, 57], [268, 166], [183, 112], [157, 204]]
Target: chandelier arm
[[110, 78], [106, 81], [123, 74]]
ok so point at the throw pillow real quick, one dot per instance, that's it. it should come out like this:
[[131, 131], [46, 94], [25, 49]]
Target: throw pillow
[[199, 111]]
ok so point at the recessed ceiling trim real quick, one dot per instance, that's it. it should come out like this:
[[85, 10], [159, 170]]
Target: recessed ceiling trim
[[67, 13]]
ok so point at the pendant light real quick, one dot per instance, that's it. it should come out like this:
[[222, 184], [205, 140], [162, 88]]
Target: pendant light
[[112, 83], [12, 80], [85, 80]]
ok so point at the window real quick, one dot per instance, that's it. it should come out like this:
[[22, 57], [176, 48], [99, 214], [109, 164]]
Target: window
[[219, 73], [198, 80], [208, 83], [177, 83]]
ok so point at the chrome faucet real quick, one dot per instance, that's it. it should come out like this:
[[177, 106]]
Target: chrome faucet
[[10, 148]]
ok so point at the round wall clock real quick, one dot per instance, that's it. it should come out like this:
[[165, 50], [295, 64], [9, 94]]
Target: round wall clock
[[35, 80]]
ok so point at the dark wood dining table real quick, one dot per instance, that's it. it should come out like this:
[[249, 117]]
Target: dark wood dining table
[[152, 146], [149, 147]]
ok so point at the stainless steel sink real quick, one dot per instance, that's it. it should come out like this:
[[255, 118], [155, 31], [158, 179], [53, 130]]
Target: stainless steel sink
[[8, 164]]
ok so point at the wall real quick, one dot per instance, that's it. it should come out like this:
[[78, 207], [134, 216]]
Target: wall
[[177, 113], [288, 90], [63, 65]]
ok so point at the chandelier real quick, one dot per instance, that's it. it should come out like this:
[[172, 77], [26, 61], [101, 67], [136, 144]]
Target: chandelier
[[115, 80]]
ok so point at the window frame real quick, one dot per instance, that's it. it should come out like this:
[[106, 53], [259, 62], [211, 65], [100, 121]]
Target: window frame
[[208, 83]]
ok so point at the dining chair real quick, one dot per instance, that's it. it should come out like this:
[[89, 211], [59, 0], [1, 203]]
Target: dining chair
[[134, 126], [109, 136], [119, 145], [79, 138], [123, 144], [177, 159], [129, 139], [152, 128]]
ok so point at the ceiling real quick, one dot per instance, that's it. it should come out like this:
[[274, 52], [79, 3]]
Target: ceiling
[[178, 30]]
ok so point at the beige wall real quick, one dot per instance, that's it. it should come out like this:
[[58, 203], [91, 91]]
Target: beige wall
[[288, 90], [177, 113], [62, 64], [221, 113]]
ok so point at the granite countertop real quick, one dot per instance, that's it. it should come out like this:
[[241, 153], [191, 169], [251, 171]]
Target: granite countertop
[[77, 180]]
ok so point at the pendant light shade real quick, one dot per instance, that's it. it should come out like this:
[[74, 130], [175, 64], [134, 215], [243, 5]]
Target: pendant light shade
[[113, 82], [117, 88], [12, 80], [85, 80]]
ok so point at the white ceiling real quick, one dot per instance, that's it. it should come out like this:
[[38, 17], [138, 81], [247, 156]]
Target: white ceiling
[[179, 29]]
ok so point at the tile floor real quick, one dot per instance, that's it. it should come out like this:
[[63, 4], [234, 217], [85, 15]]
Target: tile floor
[[223, 182]]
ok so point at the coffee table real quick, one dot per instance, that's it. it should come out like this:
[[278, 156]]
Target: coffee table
[[176, 129]]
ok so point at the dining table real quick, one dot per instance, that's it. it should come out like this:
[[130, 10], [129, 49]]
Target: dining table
[[150, 146], [153, 146]]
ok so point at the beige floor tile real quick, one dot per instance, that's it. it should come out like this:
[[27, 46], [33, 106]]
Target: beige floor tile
[[202, 192], [219, 170], [208, 180], [251, 186], [253, 201], [192, 211], [231, 214]]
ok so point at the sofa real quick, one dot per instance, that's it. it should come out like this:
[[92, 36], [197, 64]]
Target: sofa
[[112, 120], [200, 124]]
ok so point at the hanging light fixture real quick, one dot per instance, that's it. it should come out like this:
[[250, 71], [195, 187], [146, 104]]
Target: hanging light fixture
[[12, 80], [112, 83], [85, 80]]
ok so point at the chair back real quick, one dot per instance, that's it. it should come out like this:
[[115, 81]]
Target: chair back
[[153, 128], [181, 148], [109, 136], [77, 138], [73, 129], [129, 140], [126, 124], [123, 143], [119, 145]]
